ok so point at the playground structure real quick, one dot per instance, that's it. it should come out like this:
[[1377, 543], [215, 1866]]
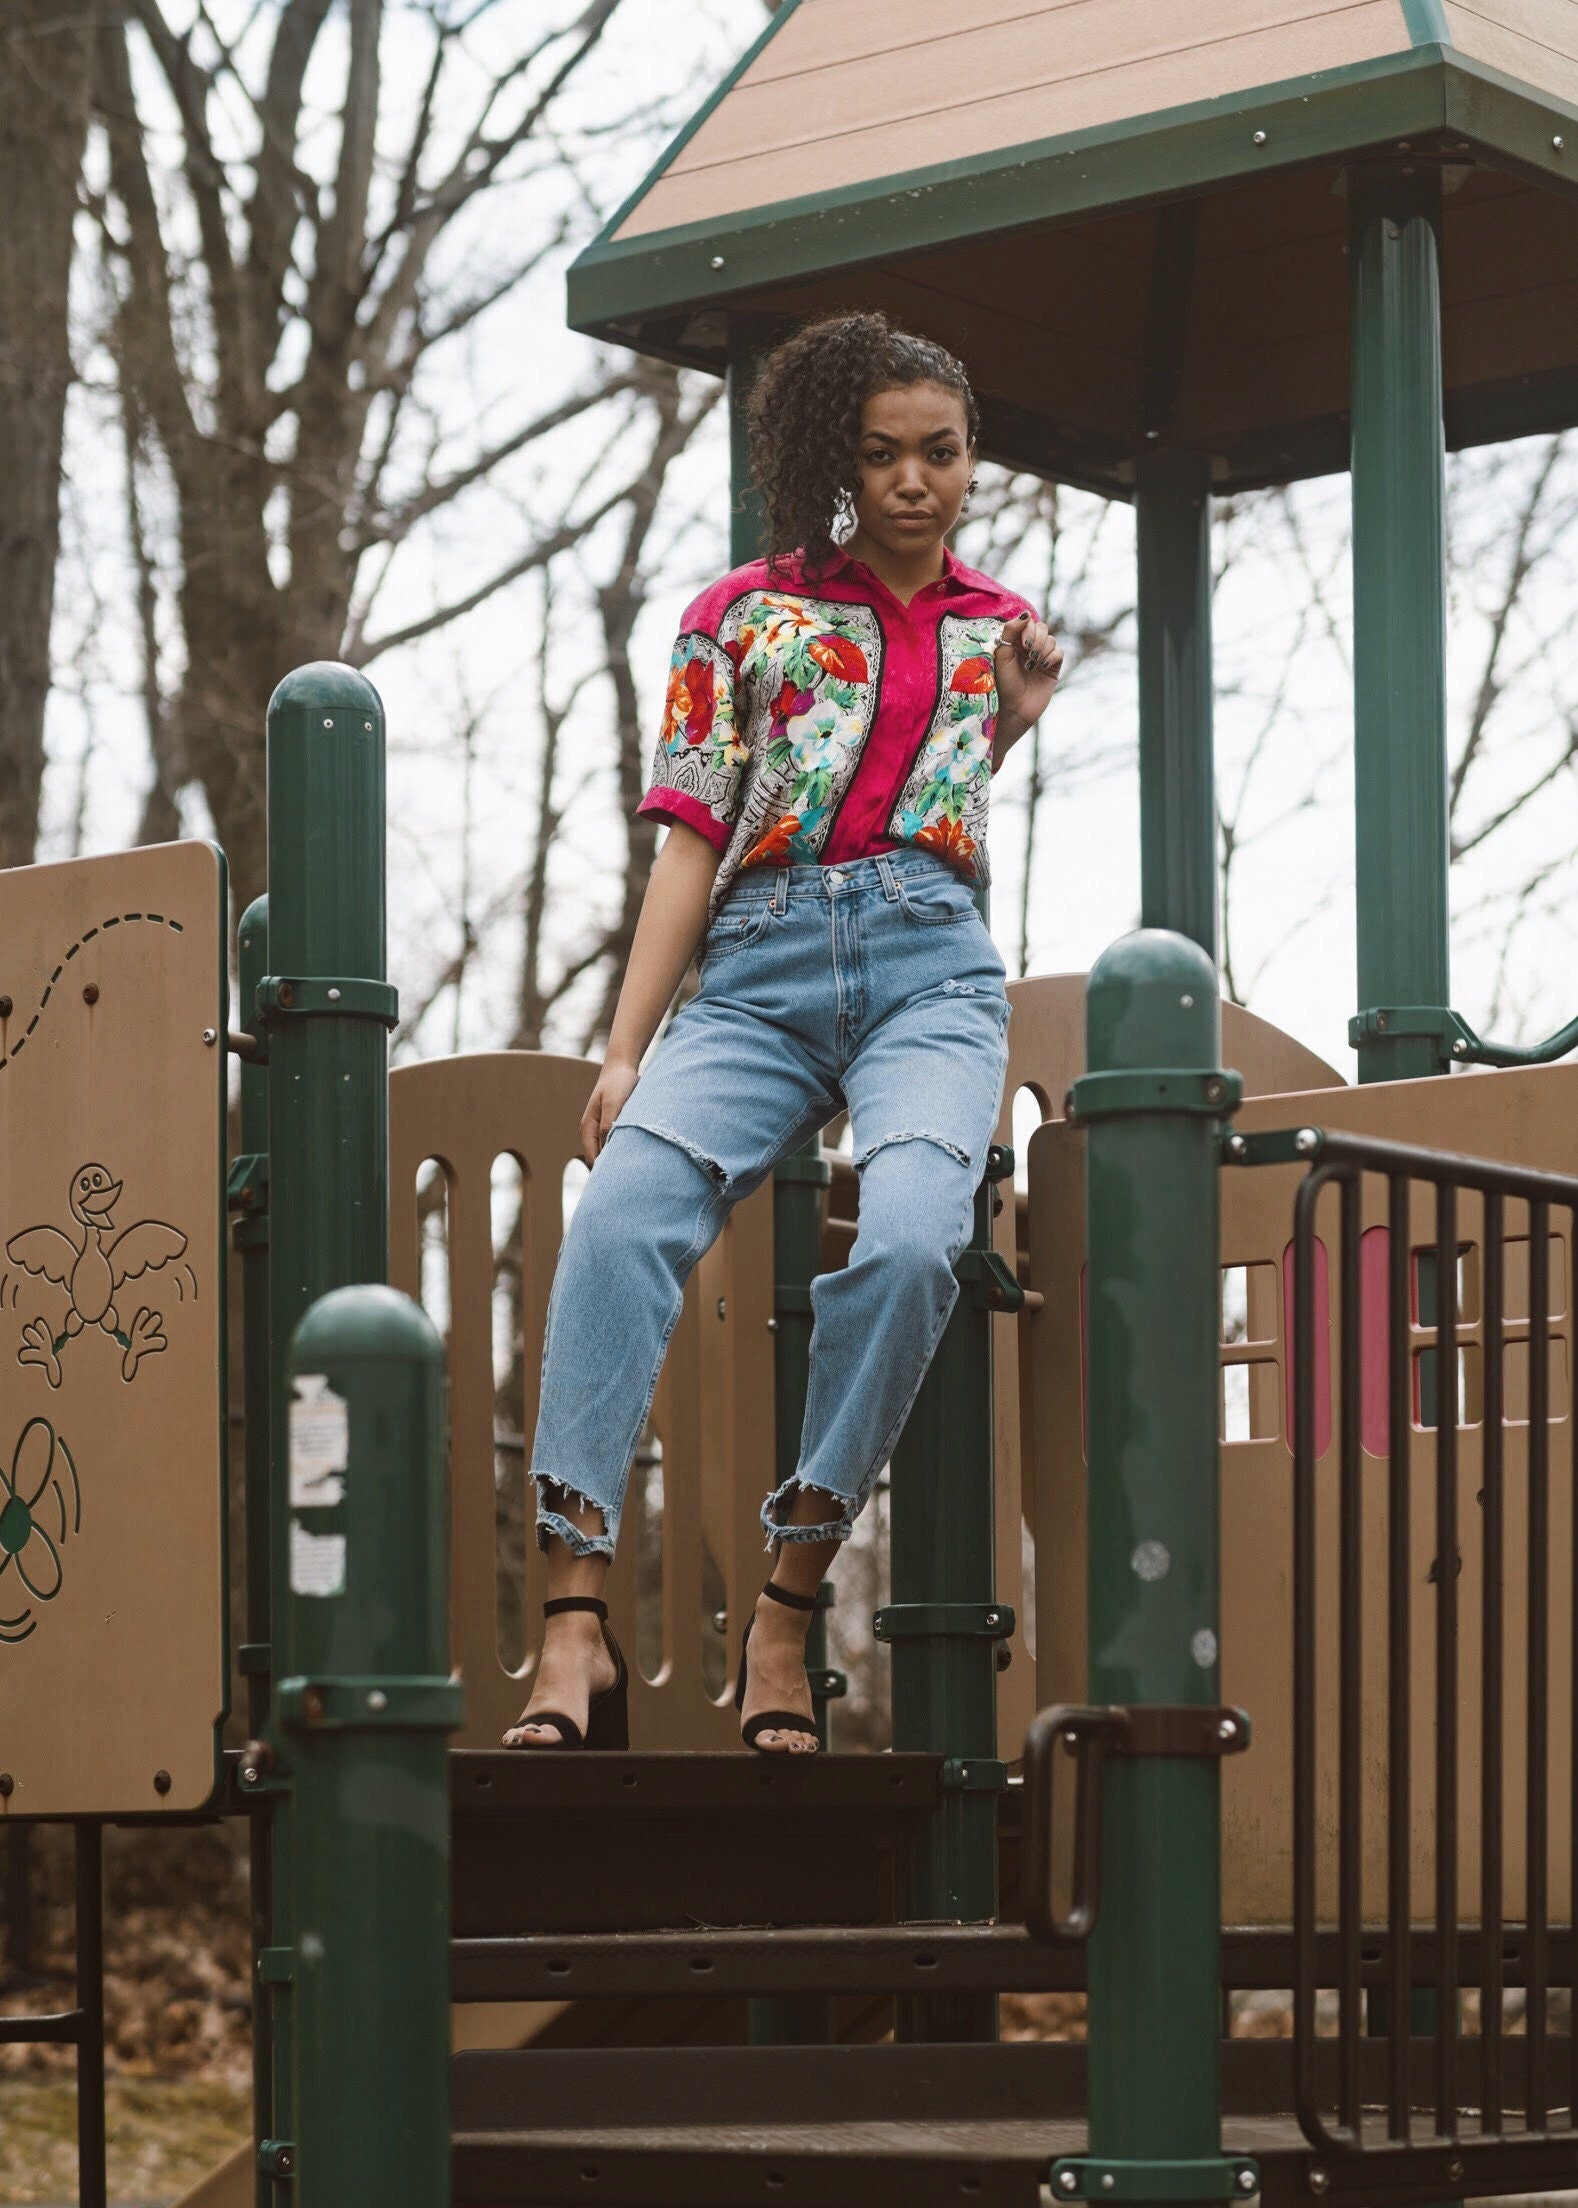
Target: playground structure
[[1301, 1711]]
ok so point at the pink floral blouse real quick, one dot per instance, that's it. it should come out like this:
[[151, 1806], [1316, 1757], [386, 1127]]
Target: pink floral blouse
[[811, 726]]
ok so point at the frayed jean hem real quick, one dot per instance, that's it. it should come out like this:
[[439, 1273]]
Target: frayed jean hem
[[550, 1522], [838, 1529]]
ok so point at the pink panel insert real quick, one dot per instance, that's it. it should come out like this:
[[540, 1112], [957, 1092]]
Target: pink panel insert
[[1322, 1347]]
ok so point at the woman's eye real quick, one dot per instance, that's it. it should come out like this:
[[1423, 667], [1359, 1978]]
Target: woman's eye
[[944, 453]]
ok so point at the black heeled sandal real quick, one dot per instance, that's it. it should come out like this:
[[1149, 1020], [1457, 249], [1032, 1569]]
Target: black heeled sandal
[[772, 1721], [607, 1714]]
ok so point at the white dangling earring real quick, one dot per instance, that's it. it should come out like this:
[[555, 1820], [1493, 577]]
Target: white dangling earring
[[843, 515]]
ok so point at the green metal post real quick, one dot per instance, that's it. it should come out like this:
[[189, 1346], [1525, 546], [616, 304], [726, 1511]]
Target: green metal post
[[1178, 855], [366, 1699], [1152, 1105], [1399, 612], [249, 1202], [323, 1008], [944, 1626]]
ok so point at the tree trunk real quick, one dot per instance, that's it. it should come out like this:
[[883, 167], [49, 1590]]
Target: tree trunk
[[44, 79]]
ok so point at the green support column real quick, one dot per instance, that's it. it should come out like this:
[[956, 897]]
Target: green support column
[[365, 1700], [944, 1625], [324, 1008], [1399, 608], [1178, 841], [1152, 1105], [249, 1203]]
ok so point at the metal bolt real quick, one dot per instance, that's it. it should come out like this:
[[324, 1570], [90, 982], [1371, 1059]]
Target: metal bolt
[[378, 1700], [327, 722], [286, 2163], [210, 1036], [368, 726], [161, 1782], [250, 1774], [1246, 2181], [1258, 139], [772, 1326], [1227, 1730], [720, 1621], [723, 1307], [1067, 2181], [1237, 1147], [1558, 143], [90, 993], [1383, 1021], [334, 996], [1305, 1141], [1459, 1047], [1455, 2170], [717, 260], [994, 1617], [312, 1704], [1187, 1003], [1215, 1091], [1318, 2179], [1108, 2181], [287, 992]]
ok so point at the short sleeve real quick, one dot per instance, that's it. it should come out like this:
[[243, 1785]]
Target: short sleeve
[[698, 766]]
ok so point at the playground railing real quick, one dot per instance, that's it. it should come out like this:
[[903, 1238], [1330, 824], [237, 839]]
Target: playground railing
[[1423, 1442]]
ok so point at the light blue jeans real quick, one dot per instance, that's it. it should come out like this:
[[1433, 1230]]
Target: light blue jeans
[[874, 985]]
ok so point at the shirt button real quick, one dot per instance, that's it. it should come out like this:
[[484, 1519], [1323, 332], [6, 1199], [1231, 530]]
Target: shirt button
[[835, 877]]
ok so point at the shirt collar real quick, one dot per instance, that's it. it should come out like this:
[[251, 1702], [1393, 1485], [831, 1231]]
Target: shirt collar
[[952, 575]]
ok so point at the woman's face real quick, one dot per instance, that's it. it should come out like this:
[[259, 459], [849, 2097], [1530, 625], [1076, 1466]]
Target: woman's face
[[913, 467]]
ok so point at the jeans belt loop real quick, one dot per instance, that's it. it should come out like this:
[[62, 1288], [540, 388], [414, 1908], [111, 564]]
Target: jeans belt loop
[[781, 891], [890, 886]]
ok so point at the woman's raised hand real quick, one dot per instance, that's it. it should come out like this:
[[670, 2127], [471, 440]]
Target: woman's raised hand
[[605, 1104], [1026, 664]]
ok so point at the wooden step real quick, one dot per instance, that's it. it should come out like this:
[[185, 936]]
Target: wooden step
[[831, 1959], [555, 1842], [798, 2127]]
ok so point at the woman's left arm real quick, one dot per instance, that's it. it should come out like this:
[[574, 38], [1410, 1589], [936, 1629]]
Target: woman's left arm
[[1027, 663]]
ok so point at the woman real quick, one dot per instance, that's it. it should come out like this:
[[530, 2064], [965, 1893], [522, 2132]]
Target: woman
[[835, 714]]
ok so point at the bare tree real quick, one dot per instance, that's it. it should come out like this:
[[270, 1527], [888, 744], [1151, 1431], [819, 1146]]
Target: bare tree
[[288, 324], [45, 51]]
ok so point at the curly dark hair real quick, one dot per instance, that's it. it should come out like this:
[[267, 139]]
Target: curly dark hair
[[804, 415]]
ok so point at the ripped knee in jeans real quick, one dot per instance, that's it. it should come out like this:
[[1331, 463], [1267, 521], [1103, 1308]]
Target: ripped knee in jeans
[[832, 1529]]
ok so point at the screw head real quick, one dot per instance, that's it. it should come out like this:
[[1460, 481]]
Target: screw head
[[210, 1037], [1459, 1047], [717, 260], [162, 1782], [1305, 1140], [1237, 1147], [250, 1774], [1318, 2179], [327, 722], [1558, 143], [90, 992], [1383, 1021], [1108, 2181], [1246, 2181], [1228, 1729], [312, 1704], [1215, 1091], [994, 1617], [378, 1700], [334, 996], [1455, 2169], [1187, 1003], [723, 1307], [1258, 139], [1067, 2181], [287, 2163]]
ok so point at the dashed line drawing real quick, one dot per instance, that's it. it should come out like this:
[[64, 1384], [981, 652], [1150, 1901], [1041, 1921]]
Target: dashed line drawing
[[92, 1270], [89, 935]]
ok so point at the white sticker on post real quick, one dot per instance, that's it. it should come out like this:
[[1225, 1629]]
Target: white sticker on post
[[317, 1561], [320, 1444]]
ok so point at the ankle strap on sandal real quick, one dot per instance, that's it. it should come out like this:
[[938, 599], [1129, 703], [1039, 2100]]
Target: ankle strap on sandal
[[794, 1602], [593, 1603]]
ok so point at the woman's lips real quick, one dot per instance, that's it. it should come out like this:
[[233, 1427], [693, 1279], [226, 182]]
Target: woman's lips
[[914, 521]]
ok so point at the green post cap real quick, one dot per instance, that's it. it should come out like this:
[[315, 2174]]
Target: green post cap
[[326, 686], [370, 1322], [1152, 1001]]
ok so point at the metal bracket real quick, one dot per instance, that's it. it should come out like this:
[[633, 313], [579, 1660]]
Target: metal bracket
[[276, 1966], [908, 1621], [246, 1186], [1457, 1041], [991, 1284], [328, 996], [378, 1704], [277, 2157], [973, 1775], [1177, 1729], [999, 1162], [828, 1686], [1160, 1089], [1213, 2177]]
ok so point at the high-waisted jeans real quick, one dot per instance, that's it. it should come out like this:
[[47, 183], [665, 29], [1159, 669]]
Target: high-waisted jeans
[[874, 985]]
